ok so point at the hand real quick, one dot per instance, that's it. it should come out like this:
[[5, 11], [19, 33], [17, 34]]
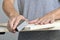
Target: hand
[[49, 18], [13, 22]]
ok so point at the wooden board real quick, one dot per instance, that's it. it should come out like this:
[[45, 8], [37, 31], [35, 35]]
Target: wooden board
[[53, 26]]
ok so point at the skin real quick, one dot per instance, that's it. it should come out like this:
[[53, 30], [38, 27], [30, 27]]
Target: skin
[[48, 18], [15, 17]]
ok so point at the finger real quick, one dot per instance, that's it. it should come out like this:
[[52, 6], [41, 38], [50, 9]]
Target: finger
[[16, 23], [9, 28], [52, 21], [18, 19], [47, 21], [33, 21], [11, 22], [42, 22], [22, 17], [39, 21]]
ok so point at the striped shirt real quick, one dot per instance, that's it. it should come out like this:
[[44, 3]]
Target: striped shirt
[[33, 9]]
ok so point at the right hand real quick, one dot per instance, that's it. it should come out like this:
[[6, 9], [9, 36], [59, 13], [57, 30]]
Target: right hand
[[13, 22]]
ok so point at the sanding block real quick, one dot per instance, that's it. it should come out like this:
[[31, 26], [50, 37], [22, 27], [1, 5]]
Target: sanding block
[[24, 25], [21, 25]]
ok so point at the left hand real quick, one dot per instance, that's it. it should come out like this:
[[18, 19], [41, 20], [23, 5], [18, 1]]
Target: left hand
[[49, 18]]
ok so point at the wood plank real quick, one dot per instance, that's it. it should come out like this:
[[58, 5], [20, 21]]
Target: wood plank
[[33, 27]]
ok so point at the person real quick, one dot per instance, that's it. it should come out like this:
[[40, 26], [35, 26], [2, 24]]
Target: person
[[37, 12]]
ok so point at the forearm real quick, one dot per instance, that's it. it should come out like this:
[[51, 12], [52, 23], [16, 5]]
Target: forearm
[[57, 13], [9, 9]]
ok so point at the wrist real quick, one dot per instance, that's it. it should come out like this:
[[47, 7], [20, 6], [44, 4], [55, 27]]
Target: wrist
[[14, 15]]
